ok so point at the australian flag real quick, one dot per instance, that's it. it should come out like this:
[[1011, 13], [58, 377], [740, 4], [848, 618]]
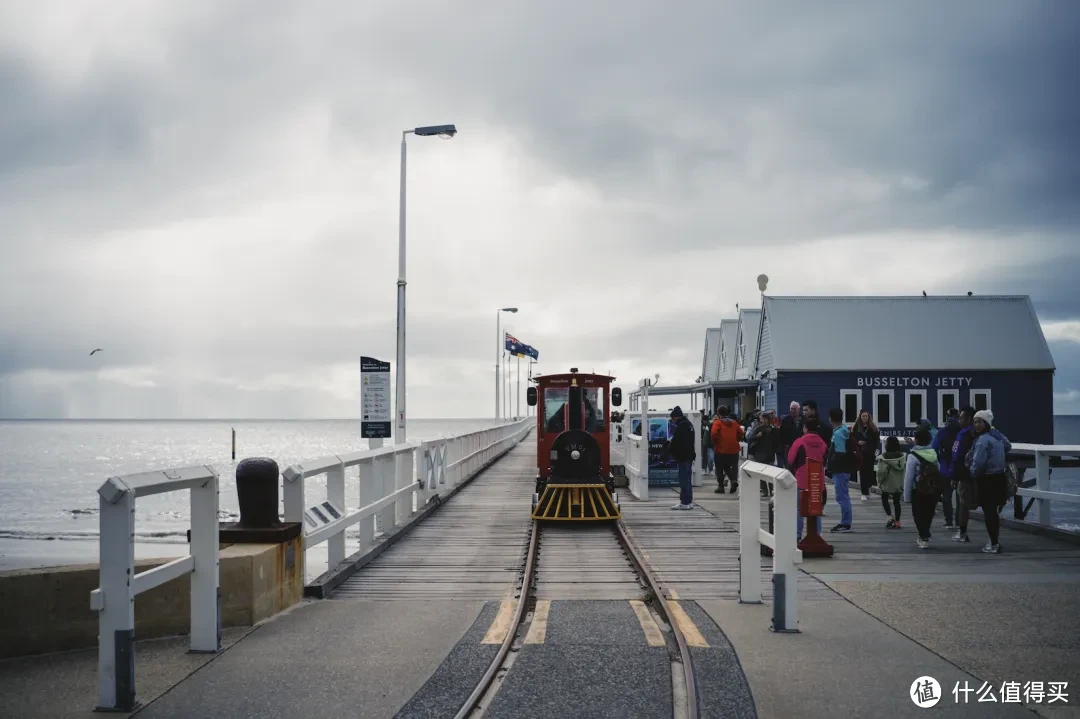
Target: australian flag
[[518, 348]]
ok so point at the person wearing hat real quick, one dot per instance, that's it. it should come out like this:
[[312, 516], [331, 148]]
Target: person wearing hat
[[986, 464], [683, 452]]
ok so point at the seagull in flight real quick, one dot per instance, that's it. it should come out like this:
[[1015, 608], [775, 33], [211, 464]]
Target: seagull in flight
[[97, 350]]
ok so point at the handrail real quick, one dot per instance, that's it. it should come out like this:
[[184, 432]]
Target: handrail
[[782, 541], [393, 482], [114, 600]]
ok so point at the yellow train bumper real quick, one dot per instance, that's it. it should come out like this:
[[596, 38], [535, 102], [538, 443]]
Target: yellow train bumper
[[576, 502]]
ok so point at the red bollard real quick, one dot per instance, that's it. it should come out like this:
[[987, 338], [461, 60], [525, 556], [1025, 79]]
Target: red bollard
[[810, 503]]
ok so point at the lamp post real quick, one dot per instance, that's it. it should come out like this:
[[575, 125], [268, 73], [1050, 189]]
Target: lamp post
[[445, 132], [498, 351]]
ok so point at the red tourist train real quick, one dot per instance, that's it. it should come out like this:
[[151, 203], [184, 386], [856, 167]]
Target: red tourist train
[[573, 449]]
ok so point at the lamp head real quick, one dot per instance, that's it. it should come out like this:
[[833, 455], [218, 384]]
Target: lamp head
[[508, 309], [443, 131]]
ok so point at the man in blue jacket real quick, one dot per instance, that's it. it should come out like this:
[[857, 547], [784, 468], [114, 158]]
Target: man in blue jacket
[[943, 446]]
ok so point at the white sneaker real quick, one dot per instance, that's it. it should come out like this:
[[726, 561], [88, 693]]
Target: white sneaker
[[866, 498], [923, 543], [992, 548], [677, 506]]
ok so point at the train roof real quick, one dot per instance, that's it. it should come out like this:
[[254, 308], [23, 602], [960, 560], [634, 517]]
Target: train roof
[[566, 377]]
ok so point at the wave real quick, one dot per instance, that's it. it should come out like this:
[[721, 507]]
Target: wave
[[159, 537]]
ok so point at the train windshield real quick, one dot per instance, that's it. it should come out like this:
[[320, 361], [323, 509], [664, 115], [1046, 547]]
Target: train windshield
[[555, 399], [594, 410]]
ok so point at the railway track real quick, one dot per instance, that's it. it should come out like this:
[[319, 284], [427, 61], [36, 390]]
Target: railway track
[[584, 561]]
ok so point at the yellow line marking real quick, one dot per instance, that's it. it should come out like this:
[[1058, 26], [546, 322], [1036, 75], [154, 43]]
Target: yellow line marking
[[648, 624], [687, 626], [538, 627], [672, 594], [498, 629]]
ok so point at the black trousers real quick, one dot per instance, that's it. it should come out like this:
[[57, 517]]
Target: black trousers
[[896, 503], [867, 479], [922, 511], [727, 465]]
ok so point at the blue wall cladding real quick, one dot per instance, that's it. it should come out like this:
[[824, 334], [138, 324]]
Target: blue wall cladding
[[1022, 402]]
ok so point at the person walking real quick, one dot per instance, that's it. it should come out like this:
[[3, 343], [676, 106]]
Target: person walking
[[683, 452], [966, 496], [922, 485], [868, 442], [706, 442], [943, 444], [726, 434], [842, 453], [891, 469], [809, 446], [763, 443], [987, 469], [790, 431]]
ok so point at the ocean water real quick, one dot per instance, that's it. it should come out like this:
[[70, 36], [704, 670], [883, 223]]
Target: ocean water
[[50, 472]]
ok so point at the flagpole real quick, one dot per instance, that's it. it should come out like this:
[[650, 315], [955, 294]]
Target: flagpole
[[517, 407]]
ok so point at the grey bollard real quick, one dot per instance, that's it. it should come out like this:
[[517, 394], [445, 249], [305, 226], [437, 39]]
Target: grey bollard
[[257, 481]]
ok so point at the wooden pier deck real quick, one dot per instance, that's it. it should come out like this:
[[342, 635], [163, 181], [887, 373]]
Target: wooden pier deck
[[998, 618]]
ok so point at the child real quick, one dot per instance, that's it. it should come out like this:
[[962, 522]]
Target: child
[[890, 479]]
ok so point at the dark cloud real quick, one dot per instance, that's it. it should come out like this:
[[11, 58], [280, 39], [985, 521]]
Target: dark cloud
[[215, 189]]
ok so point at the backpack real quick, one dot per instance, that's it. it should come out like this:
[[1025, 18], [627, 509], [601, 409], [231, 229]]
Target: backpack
[[852, 452], [928, 481], [1011, 480]]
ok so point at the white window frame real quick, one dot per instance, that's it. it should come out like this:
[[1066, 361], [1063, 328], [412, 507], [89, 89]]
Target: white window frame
[[913, 421], [723, 361], [941, 394], [989, 398], [892, 408], [844, 394]]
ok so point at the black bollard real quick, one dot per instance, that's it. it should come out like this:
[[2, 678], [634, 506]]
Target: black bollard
[[257, 493], [257, 482]]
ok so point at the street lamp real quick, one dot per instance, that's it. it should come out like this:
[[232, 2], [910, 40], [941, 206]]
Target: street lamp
[[445, 132], [498, 352]]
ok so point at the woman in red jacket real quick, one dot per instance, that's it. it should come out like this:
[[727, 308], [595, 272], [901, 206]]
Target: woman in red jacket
[[809, 446]]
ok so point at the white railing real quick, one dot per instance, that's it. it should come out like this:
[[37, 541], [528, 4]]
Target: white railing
[[393, 482], [114, 600], [637, 465], [1042, 454], [782, 541]]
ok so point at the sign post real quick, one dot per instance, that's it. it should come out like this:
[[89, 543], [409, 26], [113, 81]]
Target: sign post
[[810, 505], [375, 399]]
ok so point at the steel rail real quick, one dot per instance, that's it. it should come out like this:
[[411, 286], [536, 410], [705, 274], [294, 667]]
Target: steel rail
[[530, 566], [692, 709]]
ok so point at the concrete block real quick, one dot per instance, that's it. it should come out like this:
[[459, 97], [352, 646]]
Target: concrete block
[[48, 609]]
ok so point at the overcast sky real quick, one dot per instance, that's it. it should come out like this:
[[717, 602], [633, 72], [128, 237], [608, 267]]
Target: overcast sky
[[208, 190]]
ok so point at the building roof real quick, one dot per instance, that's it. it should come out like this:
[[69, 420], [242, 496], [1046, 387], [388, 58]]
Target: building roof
[[749, 326], [710, 362], [906, 333]]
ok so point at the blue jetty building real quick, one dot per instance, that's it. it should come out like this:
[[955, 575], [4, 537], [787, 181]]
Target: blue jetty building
[[905, 358]]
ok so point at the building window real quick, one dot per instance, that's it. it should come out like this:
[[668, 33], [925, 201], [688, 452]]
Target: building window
[[980, 399], [883, 408], [850, 401], [916, 406], [946, 399], [723, 361]]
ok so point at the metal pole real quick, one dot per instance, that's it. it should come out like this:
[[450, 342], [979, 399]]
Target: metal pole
[[498, 354], [517, 398], [399, 435]]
